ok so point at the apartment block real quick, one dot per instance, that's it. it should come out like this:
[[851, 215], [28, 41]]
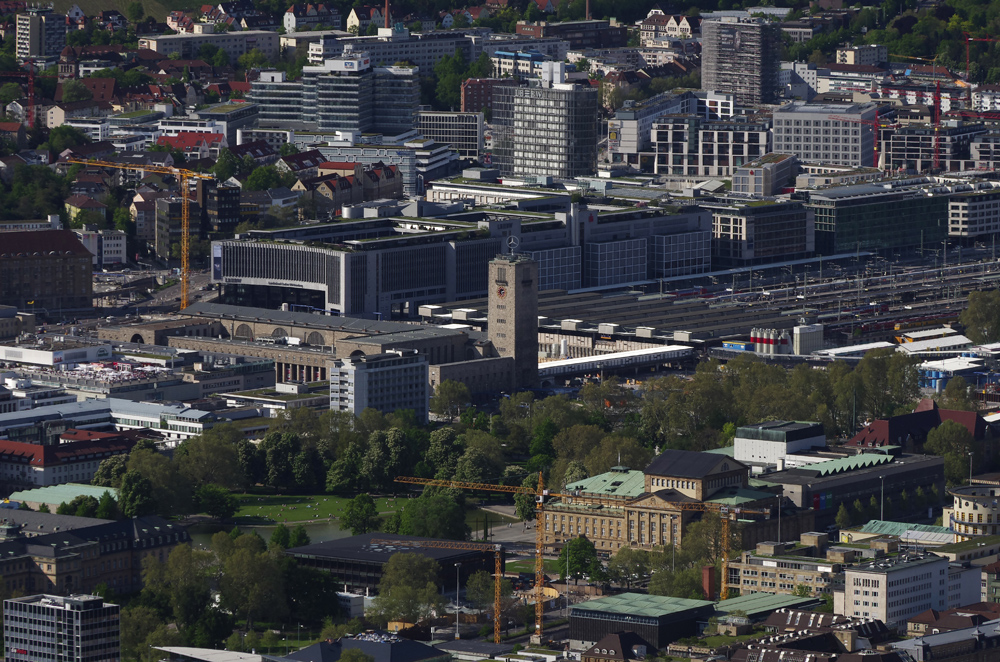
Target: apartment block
[[77, 628], [869, 54], [691, 146], [916, 147], [40, 33], [235, 43], [741, 57], [630, 131]]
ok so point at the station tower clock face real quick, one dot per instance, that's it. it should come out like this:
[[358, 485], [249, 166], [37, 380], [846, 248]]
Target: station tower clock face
[[501, 291]]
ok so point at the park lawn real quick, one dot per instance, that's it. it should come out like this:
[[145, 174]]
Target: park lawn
[[528, 565], [278, 508]]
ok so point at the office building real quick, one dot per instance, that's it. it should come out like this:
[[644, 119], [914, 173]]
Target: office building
[[107, 246], [333, 266], [868, 54], [422, 50], [41, 33], [235, 43], [630, 131], [687, 145], [762, 231], [548, 129], [513, 315], [77, 628], [344, 94], [279, 100], [916, 147], [580, 34], [766, 176], [45, 271], [463, 131], [895, 589], [874, 218], [827, 133], [389, 382], [741, 56], [974, 214], [477, 93]]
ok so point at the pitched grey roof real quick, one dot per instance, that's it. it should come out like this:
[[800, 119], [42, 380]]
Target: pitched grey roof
[[687, 464]]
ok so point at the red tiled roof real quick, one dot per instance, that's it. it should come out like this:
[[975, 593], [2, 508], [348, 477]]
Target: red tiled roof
[[84, 202], [42, 241], [46, 456], [11, 127]]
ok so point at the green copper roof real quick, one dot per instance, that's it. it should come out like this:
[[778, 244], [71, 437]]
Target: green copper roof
[[760, 604], [620, 481], [887, 528], [725, 450], [60, 493], [636, 604]]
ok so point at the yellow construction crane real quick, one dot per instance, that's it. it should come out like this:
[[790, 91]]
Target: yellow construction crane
[[540, 494], [183, 177], [474, 546], [725, 514]]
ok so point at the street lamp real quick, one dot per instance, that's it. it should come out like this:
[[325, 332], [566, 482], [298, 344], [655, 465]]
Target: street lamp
[[458, 583], [881, 508]]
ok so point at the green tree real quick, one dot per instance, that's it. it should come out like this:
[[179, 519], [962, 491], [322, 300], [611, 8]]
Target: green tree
[[360, 515], [280, 537], [524, 502], [299, 537], [287, 149], [63, 137], [956, 395], [107, 507], [843, 518], [628, 565], [134, 11], [135, 497], [213, 458], [10, 92], [254, 59], [434, 516], [216, 501], [74, 90], [953, 442], [802, 591], [449, 398], [981, 317], [408, 589], [183, 580], [582, 560], [264, 178], [251, 582]]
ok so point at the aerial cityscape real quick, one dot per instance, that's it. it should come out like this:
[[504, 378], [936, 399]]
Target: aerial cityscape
[[528, 331]]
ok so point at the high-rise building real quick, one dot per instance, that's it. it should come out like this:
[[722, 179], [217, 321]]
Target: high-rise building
[[546, 129], [741, 57], [513, 314], [343, 94], [45, 269], [78, 628], [40, 33]]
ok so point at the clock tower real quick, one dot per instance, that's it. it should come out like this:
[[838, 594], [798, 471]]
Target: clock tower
[[513, 315]]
